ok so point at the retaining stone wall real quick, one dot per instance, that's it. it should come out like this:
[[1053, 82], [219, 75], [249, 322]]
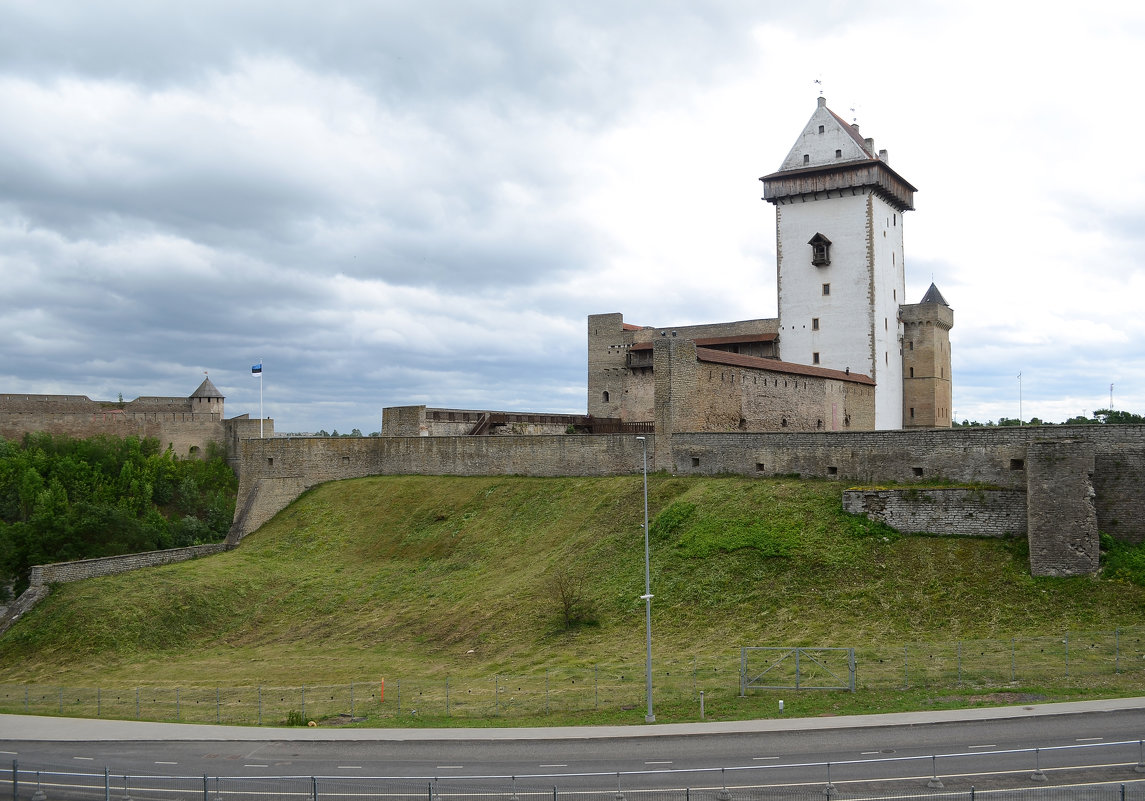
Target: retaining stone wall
[[968, 512], [62, 572]]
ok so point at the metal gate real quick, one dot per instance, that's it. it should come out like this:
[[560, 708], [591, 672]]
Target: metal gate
[[796, 669]]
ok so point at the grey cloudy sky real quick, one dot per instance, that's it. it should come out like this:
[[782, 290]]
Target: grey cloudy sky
[[420, 202]]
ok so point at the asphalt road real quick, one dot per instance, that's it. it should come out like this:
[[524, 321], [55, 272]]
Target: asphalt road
[[1077, 743]]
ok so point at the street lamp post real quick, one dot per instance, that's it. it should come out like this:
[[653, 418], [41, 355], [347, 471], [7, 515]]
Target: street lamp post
[[647, 596]]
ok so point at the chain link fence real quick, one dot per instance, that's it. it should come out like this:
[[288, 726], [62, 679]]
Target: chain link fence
[[1049, 660]]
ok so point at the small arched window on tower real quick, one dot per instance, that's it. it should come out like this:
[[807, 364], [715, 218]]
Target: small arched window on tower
[[820, 250]]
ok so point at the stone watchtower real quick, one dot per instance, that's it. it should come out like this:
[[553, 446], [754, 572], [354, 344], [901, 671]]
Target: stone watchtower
[[207, 399], [926, 362], [839, 243]]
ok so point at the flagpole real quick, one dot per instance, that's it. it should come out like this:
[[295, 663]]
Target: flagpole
[[260, 415]]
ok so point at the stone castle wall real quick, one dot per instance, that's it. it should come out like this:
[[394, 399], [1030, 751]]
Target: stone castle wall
[[968, 512], [274, 472]]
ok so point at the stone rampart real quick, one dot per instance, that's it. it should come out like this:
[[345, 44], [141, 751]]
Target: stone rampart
[[62, 572], [1062, 517], [944, 510], [274, 472]]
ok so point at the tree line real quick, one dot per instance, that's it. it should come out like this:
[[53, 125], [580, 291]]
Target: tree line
[[1100, 417], [63, 499]]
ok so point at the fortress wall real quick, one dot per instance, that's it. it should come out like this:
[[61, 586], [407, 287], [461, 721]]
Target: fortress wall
[[1062, 517], [62, 572], [1119, 482], [179, 430], [975, 513], [274, 472]]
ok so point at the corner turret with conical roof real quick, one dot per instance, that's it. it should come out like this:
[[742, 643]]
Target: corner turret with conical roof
[[207, 399], [927, 388]]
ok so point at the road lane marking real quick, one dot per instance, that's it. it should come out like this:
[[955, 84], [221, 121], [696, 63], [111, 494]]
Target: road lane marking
[[552, 766], [87, 759], [349, 767], [10, 753], [166, 763], [659, 763], [256, 766], [450, 767], [757, 759], [1088, 739], [988, 745], [870, 753]]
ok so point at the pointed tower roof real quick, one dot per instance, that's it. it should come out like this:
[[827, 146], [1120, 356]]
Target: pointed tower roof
[[830, 155], [206, 390], [824, 135], [934, 296]]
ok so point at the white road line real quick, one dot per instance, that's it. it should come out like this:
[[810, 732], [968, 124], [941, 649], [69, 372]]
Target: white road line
[[1088, 739], [256, 766], [86, 759], [758, 759], [552, 766], [166, 763], [450, 767], [349, 767], [990, 745], [10, 753], [659, 763], [869, 753]]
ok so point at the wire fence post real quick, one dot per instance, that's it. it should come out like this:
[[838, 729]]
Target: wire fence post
[[15, 779], [1013, 641], [960, 662], [546, 691], [314, 788], [206, 788], [218, 712], [178, 706], [1117, 650], [106, 783], [137, 703], [303, 703], [447, 696], [906, 666], [98, 703], [351, 700]]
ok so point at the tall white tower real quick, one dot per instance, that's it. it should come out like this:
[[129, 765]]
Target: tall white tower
[[839, 241]]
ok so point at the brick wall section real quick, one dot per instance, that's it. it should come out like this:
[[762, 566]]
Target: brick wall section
[[1062, 515], [968, 512], [62, 572]]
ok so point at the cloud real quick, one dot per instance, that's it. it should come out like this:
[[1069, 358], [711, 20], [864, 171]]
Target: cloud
[[421, 202]]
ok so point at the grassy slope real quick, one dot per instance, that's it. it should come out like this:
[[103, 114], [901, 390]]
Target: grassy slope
[[406, 575]]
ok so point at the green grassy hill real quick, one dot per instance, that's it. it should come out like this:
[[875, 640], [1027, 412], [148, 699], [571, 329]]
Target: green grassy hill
[[459, 576]]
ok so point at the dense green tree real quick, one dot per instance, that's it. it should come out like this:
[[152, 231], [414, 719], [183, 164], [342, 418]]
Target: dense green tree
[[63, 499]]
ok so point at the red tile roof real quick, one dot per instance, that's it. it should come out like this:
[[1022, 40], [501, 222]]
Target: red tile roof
[[743, 339], [776, 366], [630, 327]]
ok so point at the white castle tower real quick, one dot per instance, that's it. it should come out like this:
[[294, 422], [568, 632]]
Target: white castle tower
[[839, 242]]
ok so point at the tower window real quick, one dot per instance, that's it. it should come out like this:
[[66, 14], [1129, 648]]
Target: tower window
[[838, 154], [912, 372], [806, 159], [814, 323], [820, 129], [826, 289], [815, 357], [604, 396], [820, 250]]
